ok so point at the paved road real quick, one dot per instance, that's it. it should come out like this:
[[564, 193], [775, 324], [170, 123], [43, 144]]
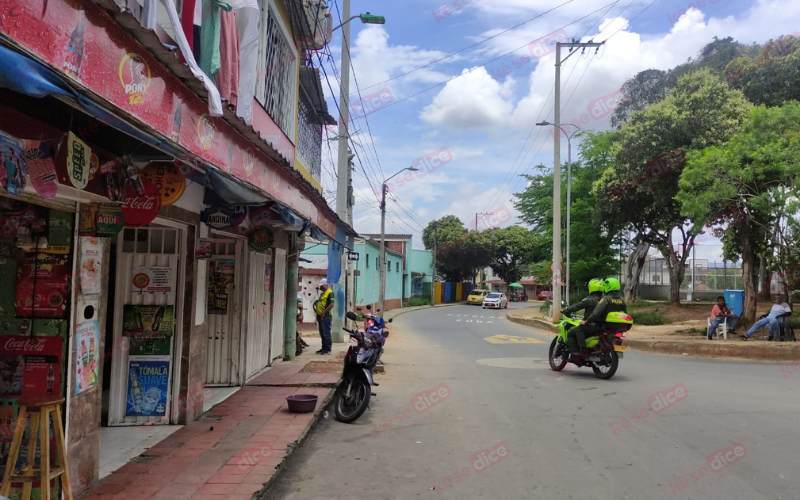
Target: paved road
[[563, 435]]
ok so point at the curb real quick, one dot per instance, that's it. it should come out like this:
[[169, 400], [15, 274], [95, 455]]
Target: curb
[[404, 310], [741, 351], [291, 447]]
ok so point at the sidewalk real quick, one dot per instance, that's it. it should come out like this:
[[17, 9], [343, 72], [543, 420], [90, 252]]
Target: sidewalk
[[232, 451], [679, 339]]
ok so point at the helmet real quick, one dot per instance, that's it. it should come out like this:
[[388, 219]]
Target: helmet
[[596, 285], [610, 284]]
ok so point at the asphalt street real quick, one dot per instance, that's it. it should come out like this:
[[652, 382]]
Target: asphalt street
[[663, 427]]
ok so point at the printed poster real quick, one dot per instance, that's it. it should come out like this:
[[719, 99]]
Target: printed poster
[[41, 167], [220, 284], [205, 249], [148, 383], [87, 341], [91, 267], [148, 322], [152, 279], [52, 279], [12, 163]]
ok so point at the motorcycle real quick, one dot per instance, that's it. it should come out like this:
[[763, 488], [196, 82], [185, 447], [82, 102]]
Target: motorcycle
[[605, 349], [353, 394], [375, 326]]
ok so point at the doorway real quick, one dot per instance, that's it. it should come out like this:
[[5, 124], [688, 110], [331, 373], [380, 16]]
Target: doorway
[[223, 306]]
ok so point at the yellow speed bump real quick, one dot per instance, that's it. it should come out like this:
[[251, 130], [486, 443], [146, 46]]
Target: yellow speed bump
[[508, 339]]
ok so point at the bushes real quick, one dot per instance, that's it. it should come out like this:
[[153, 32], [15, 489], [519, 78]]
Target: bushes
[[648, 318], [418, 302]]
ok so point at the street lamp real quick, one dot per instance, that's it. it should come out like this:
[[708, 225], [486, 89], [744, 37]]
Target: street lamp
[[569, 188], [365, 19], [382, 290]]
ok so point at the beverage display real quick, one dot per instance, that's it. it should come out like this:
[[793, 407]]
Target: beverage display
[[74, 57], [151, 399], [159, 316], [136, 392], [51, 379], [84, 353]]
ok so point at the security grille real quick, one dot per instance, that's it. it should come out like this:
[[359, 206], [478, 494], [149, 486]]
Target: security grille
[[275, 89], [309, 138]]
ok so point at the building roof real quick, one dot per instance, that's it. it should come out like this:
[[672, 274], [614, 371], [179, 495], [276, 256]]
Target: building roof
[[388, 236]]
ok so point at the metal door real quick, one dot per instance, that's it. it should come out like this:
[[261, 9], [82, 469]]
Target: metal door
[[258, 313], [279, 304], [152, 251], [222, 307]]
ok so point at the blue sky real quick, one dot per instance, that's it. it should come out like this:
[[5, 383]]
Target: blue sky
[[484, 118]]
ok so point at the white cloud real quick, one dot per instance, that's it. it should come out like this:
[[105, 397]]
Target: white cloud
[[474, 101]]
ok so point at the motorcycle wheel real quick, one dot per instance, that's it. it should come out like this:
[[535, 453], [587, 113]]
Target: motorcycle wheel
[[557, 364], [605, 372], [349, 409]]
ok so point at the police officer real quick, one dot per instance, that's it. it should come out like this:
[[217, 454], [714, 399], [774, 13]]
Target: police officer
[[587, 305], [596, 322]]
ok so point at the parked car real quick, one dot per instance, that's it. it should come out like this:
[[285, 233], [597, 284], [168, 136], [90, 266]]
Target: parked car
[[495, 300], [545, 295], [476, 297]]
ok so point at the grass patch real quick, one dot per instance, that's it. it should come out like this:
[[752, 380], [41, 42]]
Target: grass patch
[[546, 308], [648, 318], [418, 302]]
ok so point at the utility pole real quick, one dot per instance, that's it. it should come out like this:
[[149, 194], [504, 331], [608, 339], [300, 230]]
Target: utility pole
[[477, 271], [382, 289], [342, 184], [555, 310], [384, 188], [433, 278]]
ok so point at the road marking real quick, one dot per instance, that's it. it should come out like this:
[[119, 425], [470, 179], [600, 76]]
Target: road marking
[[509, 339]]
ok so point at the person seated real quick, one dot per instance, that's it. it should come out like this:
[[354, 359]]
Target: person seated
[[587, 305], [779, 308], [720, 313]]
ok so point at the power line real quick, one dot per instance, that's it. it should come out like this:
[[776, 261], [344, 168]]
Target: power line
[[471, 46]]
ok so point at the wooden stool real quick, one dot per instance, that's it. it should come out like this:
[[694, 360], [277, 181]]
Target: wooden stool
[[40, 427]]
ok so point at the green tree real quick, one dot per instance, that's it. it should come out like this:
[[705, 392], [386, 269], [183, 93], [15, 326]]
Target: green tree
[[744, 186], [458, 252], [770, 76], [512, 247], [591, 254], [649, 153]]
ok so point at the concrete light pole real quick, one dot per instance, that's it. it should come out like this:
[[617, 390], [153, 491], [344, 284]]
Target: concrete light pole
[[555, 311], [569, 192], [382, 290]]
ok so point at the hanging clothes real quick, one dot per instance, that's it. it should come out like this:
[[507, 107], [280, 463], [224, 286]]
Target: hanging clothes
[[210, 34], [248, 17], [228, 76], [187, 22], [198, 23]]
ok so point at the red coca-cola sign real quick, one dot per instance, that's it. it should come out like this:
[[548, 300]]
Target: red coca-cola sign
[[141, 210], [25, 344]]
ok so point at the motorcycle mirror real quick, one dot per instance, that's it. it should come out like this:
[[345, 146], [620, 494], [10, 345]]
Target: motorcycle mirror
[[369, 307], [390, 320], [351, 315]]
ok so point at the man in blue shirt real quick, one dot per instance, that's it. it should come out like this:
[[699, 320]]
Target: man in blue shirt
[[778, 308]]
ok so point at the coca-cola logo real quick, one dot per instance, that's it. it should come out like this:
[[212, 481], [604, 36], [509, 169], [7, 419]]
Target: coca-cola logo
[[141, 210], [27, 344]]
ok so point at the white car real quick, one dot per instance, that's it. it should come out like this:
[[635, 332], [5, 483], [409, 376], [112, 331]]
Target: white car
[[495, 300]]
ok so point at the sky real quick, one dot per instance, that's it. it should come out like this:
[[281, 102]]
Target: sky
[[449, 88]]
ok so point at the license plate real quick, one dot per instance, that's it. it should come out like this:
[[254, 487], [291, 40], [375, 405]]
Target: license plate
[[620, 348]]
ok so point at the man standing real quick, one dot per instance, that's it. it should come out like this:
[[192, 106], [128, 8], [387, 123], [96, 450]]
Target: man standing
[[324, 318], [721, 313], [779, 308]]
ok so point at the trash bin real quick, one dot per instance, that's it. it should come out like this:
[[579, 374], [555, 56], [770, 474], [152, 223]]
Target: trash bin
[[735, 300]]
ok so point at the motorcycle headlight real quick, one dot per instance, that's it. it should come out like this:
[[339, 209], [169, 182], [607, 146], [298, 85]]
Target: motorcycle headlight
[[367, 341]]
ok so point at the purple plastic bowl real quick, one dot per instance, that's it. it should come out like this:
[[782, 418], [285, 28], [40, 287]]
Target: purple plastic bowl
[[302, 403]]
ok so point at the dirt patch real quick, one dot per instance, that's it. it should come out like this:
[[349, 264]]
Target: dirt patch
[[332, 366]]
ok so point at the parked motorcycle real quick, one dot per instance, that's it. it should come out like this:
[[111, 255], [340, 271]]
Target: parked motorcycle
[[605, 349], [375, 326], [352, 396]]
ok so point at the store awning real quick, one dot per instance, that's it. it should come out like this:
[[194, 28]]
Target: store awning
[[230, 191]]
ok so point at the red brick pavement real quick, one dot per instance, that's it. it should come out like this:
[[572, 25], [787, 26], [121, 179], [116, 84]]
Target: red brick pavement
[[231, 457]]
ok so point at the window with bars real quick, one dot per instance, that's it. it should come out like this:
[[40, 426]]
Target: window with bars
[[275, 84], [309, 138]]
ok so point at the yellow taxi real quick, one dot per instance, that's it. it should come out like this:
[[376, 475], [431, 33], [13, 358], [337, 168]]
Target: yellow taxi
[[476, 297]]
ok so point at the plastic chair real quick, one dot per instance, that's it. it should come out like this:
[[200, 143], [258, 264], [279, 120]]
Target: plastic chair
[[781, 322], [723, 326]]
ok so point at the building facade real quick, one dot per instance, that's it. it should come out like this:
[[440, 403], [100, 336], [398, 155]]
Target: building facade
[[151, 214]]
